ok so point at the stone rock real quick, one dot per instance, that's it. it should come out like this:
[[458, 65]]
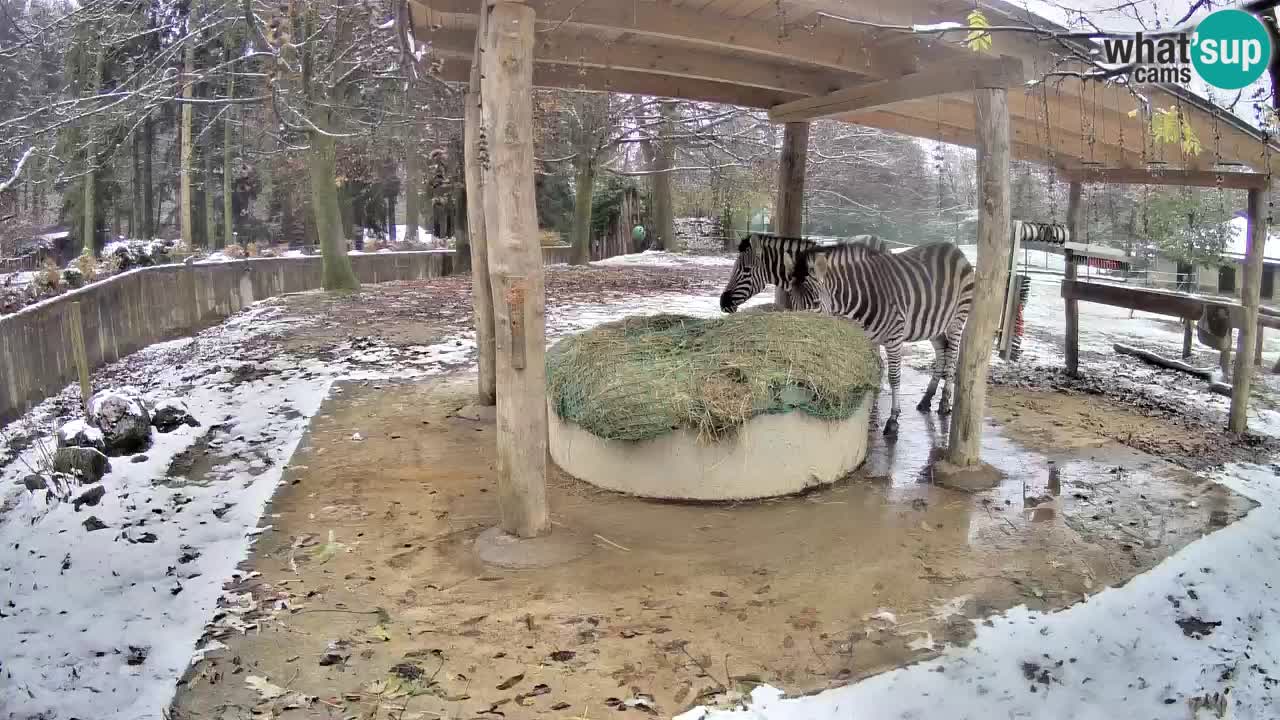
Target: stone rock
[[80, 434], [93, 523], [123, 418], [86, 463], [35, 482], [90, 497], [170, 413]]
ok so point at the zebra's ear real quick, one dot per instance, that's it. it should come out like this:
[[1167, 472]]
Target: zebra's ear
[[757, 250], [820, 265], [788, 265]]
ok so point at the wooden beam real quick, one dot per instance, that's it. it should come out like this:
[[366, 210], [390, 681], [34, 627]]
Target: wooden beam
[[481, 291], [994, 239], [834, 47], [515, 266], [1130, 297], [979, 72], [641, 55], [788, 211], [624, 81], [1249, 291], [1069, 272], [1156, 176]]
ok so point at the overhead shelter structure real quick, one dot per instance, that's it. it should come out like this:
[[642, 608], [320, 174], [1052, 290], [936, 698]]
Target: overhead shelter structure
[[902, 66]]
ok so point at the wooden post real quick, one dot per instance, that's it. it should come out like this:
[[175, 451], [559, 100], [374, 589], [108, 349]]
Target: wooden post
[[82, 359], [1186, 339], [481, 292], [788, 211], [994, 238], [1257, 348], [515, 267], [1069, 272], [1249, 291]]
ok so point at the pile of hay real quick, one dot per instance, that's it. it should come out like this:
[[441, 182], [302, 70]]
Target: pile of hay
[[641, 377]]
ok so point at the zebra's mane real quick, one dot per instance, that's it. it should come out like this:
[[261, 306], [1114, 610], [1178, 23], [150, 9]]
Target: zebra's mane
[[777, 241]]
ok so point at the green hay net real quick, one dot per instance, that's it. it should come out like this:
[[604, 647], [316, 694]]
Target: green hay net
[[641, 377]]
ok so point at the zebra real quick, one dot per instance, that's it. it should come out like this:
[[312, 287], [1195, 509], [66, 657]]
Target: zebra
[[761, 262], [923, 293]]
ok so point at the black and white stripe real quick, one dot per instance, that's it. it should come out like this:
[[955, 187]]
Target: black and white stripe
[[920, 294], [762, 260]]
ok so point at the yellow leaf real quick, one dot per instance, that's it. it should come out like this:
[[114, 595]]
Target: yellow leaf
[[380, 632], [978, 39], [1133, 113]]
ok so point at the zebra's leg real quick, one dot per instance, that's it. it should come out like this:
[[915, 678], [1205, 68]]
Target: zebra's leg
[[939, 370], [949, 365], [894, 353]]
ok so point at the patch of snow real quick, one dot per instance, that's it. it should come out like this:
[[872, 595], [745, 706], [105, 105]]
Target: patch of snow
[[660, 258], [935, 27], [79, 427]]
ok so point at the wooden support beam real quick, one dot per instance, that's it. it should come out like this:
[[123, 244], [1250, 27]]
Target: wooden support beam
[[834, 47], [1249, 291], [515, 266], [1069, 273], [638, 83], [644, 56], [994, 237], [1135, 298], [979, 72], [788, 211], [1145, 176], [481, 291]]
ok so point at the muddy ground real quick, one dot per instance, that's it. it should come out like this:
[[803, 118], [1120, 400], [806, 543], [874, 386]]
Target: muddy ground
[[678, 604]]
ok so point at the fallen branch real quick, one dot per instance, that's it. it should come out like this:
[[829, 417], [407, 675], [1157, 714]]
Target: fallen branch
[[1152, 358], [1215, 386]]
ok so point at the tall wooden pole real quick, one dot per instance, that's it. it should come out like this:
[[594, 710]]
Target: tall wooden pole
[[481, 290], [788, 211], [994, 246], [1249, 292], [1072, 333], [515, 267]]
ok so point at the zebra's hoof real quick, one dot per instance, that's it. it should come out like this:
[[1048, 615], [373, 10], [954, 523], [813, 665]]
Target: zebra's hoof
[[923, 405], [891, 429], [943, 410]]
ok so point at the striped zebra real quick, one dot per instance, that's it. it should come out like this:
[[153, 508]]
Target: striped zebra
[[920, 294], [762, 261]]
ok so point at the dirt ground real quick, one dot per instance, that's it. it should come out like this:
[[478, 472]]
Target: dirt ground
[[365, 598]]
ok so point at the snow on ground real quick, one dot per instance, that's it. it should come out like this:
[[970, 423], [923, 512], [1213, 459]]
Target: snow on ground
[[103, 627], [662, 257]]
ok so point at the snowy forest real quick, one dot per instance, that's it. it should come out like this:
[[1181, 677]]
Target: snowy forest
[[245, 129]]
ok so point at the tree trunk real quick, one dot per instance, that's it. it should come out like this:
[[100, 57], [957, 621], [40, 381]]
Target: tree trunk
[[135, 211], [412, 181], [663, 206], [211, 236], [994, 247], [1249, 292], [322, 169], [584, 183], [186, 221], [228, 209], [391, 216], [91, 177], [481, 290], [148, 189], [515, 263]]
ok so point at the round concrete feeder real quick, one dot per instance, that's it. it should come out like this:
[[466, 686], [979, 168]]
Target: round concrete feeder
[[768, 456]]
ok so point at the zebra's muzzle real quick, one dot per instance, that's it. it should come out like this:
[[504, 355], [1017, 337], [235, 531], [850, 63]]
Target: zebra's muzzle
[[726, 303]]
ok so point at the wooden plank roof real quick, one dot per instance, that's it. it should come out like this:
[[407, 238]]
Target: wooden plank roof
[[764, 53]]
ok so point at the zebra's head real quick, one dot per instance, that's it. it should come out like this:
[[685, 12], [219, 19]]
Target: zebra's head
[[807, 272], [749, 275]]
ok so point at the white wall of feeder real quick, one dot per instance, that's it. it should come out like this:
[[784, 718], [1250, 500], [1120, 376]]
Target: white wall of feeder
[[770, 455]]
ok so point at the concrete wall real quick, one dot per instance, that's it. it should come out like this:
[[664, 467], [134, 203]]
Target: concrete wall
[[132, 310]]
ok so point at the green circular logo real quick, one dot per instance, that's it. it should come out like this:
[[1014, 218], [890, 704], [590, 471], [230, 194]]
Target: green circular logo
[[1231, 49]]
